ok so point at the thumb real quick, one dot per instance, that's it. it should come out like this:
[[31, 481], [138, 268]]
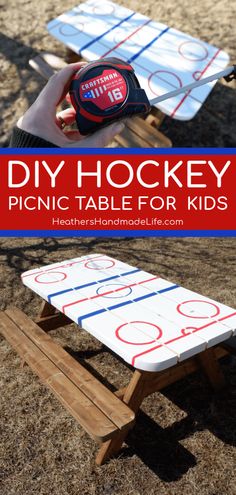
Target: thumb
[[58, 85], [102, 138]]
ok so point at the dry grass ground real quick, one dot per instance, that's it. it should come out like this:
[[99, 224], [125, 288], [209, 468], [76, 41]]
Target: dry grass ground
[[184, 440], [23, 35]]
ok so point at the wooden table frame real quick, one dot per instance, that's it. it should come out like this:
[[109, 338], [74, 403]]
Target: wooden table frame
[[144, 383]]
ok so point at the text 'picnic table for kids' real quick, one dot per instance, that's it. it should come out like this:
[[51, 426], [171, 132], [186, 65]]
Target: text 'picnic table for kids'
[[163, 331], [163, 58]]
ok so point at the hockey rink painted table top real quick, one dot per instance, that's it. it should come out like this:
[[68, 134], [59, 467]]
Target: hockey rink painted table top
[[162, 57], [150, 322]]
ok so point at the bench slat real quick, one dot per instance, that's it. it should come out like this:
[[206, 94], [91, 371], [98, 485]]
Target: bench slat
[[91, 418], [150, 134], [104, 399]]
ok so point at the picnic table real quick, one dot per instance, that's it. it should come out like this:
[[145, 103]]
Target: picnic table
[[160, 329], [163, 57]]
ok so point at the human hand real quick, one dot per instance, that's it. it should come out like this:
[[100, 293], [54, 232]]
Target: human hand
[[42, 120]]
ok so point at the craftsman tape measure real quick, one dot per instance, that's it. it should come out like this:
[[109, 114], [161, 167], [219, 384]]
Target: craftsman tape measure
[[106, 91]]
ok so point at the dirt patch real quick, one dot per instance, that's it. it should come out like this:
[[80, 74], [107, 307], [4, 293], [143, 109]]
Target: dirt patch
[[184, 440]]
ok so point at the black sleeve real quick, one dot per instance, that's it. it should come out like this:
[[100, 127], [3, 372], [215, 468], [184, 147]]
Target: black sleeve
[[23, 139]]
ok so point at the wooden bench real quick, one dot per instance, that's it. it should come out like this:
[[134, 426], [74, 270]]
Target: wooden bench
[[138, 132], [107, 417], [100, 412]]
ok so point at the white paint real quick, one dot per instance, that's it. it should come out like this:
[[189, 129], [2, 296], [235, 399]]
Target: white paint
[[135, 316]]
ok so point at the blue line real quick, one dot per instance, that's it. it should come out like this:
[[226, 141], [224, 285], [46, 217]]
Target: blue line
[[136, 55], [167, 289], [116, 151], [80, 318], [119, 233], [150, 294], [58, 294], [117, 276], [131, 272], [106, 32], [115, 306], [50, 296]]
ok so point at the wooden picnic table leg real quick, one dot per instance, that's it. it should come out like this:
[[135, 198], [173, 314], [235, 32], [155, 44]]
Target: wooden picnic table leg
[[211, 368], [144, 383], [133, 397], [46, 310], [72, 57], [50, 318]]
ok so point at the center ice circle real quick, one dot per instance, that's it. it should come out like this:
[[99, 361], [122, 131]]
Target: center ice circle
[[122, 291]]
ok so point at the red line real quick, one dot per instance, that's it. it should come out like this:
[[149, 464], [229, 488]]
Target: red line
[[107, 293], [145, 352], [125, 39], [188, 92], [214, 322], [62, 266], [228, 316], [180, 337], [31, 274]]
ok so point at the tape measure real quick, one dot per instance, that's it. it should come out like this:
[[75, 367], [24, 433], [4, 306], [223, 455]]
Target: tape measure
[[107, 90]]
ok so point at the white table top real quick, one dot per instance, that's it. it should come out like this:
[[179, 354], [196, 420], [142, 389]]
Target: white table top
[[150, 322], [162, 57]]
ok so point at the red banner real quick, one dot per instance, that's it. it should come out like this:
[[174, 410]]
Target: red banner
[[118, 192]]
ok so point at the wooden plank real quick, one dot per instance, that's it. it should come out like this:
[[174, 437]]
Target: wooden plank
[[139, 134], [144, 383], [57, 63], [128, 139], [72, 57], [211, 368], [219, 351], [162, 379], [103, 398], [134, 395], [41, 67], [152, 136], [157, 114], [46, 64], [74, 400], [153, 121], [47, 309], [52, 322]]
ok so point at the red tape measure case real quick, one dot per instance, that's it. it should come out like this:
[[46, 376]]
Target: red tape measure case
[[105, 91]]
